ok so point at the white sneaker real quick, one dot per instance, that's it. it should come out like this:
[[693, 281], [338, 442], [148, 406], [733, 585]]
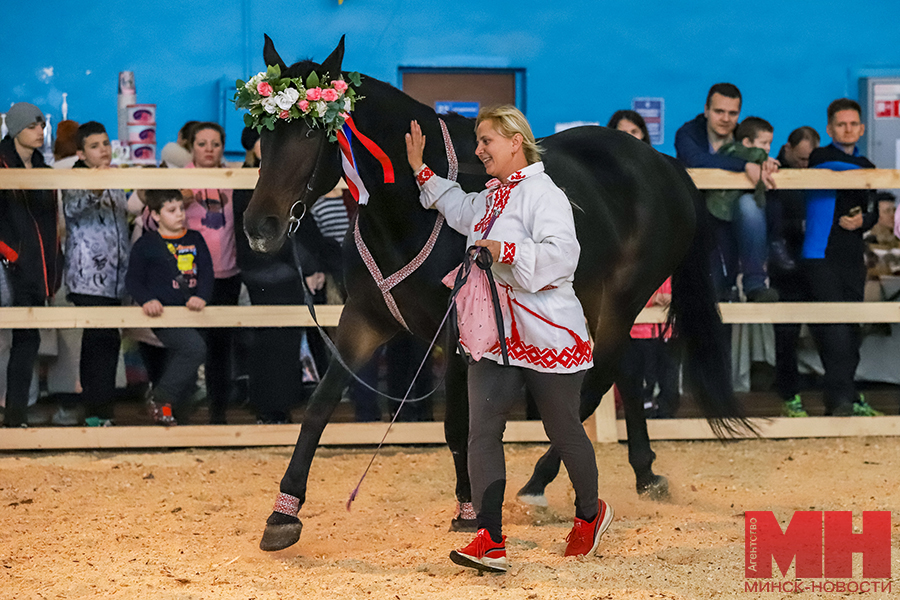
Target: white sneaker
[[65, 417]]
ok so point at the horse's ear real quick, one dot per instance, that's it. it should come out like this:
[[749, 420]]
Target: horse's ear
[[332, 64], [270, 55]]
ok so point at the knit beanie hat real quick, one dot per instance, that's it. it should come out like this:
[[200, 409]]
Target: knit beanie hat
[[21, 116]]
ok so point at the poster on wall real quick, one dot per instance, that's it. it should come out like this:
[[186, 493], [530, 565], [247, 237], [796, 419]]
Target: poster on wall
[[653, 110], [570, 124], [887, 100], [465, 109]]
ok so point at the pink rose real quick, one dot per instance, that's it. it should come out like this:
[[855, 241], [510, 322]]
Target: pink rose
[[330, 95], [263, 88], [314, 94], [340, 85], [284, 114], [303, 105]]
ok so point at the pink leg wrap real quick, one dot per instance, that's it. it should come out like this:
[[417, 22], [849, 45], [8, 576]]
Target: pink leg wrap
[[287, 505], [465, 510]]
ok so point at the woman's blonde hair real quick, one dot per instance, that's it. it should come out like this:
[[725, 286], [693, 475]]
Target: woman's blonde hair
[[508, 121]]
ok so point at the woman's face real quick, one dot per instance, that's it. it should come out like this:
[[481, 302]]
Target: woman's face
[[630, 128], [495, 151], [207, 149]]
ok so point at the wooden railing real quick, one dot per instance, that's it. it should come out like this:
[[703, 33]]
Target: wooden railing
[[133, 178], [603, 427]]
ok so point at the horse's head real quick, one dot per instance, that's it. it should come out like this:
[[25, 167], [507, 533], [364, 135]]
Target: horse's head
[[298, 163]]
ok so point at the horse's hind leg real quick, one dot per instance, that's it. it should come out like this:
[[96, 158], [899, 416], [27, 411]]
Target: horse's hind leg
[[357, 340]]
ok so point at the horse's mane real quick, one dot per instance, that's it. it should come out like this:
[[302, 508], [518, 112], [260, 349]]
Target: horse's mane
[[301, 67]]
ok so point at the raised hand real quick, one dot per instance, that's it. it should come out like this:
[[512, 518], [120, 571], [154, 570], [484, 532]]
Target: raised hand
[[415, 146]]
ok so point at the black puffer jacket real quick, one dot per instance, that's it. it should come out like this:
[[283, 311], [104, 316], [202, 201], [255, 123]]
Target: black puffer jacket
[[28, 227]]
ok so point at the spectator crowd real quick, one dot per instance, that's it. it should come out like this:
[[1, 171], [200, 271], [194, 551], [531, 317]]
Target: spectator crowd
[[160, 248]]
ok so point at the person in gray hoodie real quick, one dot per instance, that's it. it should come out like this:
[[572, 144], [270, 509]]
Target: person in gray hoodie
[[97, 247]]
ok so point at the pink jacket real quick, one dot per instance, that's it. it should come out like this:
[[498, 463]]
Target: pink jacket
[[211, 212]]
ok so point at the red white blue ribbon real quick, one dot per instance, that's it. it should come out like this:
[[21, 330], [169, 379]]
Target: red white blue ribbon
[[348, 161]]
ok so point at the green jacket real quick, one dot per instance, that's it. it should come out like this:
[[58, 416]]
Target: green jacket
[[721, 203]]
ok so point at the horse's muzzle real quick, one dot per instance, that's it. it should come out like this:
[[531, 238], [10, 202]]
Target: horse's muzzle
[[268, 235]]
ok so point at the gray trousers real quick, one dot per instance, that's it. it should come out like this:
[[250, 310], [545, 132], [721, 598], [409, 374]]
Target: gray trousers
[[185, 352], [493, 389]]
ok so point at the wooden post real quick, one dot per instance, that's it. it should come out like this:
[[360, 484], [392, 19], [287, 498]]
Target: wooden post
[[605, 419]]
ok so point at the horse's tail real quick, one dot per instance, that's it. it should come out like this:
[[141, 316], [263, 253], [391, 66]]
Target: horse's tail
[[697, 324]]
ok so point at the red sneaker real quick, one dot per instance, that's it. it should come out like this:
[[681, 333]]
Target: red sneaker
[[585, 535], [160, 413], [483, 554]]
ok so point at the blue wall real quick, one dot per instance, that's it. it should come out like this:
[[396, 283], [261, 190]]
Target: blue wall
[[583, 59]]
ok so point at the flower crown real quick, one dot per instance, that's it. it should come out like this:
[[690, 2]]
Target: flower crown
[[320, 101]]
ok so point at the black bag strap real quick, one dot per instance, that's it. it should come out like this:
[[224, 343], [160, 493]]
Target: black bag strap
[[483, 260]]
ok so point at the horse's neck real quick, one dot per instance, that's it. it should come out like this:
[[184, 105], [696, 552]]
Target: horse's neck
[[393, 217]]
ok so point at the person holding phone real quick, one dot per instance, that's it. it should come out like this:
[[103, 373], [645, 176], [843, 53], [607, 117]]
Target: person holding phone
[[833, 256]]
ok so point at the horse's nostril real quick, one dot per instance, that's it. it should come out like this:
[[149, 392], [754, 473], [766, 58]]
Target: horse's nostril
[[269, 228]]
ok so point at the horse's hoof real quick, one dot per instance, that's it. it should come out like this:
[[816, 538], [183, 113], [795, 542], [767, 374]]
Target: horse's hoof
[[465, 518], [280, 536], [465, 525], [657, 490], [533, 499]]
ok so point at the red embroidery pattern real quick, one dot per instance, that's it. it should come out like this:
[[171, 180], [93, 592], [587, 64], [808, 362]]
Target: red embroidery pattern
[[578, 354], [497, 200], [549, 358], [516, 177], [509, 253], [424, 175], [287, 505]]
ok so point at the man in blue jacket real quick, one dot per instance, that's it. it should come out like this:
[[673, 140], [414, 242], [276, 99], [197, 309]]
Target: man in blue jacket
[[833, 260], [697, 144]]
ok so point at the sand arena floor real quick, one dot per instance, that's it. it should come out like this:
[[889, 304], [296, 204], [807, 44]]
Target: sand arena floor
[[186, 524]]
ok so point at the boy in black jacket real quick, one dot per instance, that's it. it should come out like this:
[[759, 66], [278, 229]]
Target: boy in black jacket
[[29, 245], [833, 256], [172, 267]]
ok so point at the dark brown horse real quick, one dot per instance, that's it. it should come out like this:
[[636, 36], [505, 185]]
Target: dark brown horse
[[637, 218]]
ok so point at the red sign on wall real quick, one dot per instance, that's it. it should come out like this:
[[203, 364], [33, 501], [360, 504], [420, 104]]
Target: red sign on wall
[[886, 109]]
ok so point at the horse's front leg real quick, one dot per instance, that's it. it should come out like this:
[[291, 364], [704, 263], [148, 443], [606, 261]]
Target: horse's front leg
[[357, 340], [456, 432]]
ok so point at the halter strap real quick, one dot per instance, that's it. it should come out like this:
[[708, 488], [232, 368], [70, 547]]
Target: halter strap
[[385, 284]]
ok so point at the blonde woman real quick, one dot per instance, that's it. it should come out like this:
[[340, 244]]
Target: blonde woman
[[535, 251]]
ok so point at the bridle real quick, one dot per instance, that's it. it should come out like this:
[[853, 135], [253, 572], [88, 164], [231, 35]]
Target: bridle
[[293, 221]]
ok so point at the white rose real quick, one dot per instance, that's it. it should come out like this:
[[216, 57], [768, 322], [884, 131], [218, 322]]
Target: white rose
[[321, 107], [251, 85], [286, 99], [269, 105], [346, 104]]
